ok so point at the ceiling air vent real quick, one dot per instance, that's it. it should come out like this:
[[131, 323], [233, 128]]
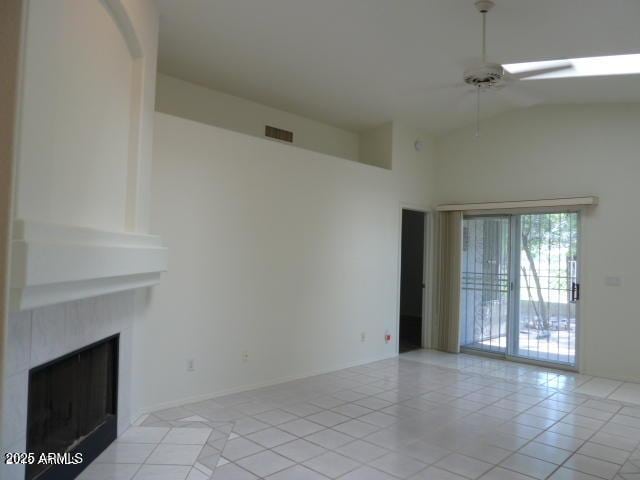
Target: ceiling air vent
[[278, 134]]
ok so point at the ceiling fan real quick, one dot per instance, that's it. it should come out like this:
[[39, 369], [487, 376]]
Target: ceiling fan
[[489, 76]]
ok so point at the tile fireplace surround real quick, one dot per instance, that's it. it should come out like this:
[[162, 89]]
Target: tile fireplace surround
[[43, 334]]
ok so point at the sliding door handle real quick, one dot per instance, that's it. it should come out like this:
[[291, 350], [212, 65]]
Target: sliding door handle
[[575, 292]]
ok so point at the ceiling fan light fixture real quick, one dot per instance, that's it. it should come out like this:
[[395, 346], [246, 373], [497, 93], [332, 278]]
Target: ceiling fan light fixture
[[484, 76]]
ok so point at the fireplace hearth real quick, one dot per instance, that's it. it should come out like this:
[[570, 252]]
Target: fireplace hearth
[[72, 408]]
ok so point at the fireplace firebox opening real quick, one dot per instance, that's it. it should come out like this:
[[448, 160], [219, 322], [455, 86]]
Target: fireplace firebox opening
[[72, 408]]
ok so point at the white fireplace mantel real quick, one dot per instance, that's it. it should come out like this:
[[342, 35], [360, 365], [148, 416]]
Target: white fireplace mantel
[[55, 263]]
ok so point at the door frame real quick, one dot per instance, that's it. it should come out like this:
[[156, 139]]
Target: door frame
[[514, 286], [426, 274]]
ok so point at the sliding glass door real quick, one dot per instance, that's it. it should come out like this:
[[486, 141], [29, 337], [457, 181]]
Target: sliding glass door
[[547, 287], [520, 285], [485, 283]]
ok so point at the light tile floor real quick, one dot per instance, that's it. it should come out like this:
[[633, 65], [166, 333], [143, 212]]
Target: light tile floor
[[424, 415]]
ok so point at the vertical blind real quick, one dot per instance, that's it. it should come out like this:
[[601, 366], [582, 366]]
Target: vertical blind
[[447, 270]]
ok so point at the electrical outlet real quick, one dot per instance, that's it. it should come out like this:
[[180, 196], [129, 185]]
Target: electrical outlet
[[363, 336], [191, 365], [245, 356]]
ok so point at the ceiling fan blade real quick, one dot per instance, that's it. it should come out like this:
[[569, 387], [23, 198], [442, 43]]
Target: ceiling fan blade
[[455, 91], [440, 89], [462, 99], [518, 96], [553, 67], [464, 102]]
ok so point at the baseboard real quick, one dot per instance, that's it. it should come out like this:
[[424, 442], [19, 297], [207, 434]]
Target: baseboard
[[245, 388], [616, 377]]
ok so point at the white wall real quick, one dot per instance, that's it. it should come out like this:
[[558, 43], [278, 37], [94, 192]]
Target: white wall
[[87, 104], [186, 100], [376, 145], [74, 145], [277, 251], [559, 151]]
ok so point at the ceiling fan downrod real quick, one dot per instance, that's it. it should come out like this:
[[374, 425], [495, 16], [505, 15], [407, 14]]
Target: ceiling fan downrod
[[477, 111], [484, 6]]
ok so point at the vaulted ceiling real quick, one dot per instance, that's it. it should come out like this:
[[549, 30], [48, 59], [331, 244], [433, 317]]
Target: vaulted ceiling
[[359, 63]]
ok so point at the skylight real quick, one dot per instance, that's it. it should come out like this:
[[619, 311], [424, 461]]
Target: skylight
[[582, 67]]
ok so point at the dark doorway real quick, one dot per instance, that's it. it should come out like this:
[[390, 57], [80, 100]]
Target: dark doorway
[[411, 280]]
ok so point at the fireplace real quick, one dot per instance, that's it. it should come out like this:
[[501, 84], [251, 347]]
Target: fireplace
[[72, 408]]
